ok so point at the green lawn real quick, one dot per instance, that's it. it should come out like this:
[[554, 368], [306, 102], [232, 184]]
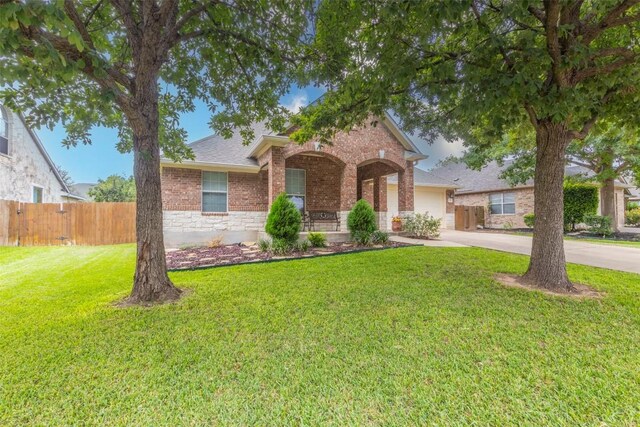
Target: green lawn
[[405, 336]]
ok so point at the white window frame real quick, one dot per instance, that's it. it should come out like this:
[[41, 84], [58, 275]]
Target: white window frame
[[226, 209], [304, 195], [33, 189], [502, 203], [4, 122]]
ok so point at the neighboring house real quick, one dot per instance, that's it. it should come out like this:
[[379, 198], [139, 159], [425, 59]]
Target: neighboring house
[[82, 189], [506, 205], [27, 173], [228, 188]]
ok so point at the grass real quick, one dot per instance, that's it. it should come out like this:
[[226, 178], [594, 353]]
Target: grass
[[404, 336]]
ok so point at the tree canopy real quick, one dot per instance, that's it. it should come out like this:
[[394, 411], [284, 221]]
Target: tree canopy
[[136, 66], [483, 71], [114, 188]]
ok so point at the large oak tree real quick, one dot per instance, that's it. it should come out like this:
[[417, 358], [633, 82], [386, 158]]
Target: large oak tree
[[477, 70], [135, 66]]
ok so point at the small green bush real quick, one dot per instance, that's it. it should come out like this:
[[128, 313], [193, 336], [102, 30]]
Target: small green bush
[[600, 225], [362, 218], [281, 246], [264, 245], [362, 238], [580, 199], [632, 206], [379, 237], [302, 245], [422, 226], [283, 222], [633, 217], [529, 220], [318, 240]]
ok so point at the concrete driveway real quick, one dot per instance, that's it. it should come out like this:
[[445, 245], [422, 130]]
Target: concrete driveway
[[610, 256]]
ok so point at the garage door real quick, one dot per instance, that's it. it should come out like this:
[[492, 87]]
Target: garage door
[[430, 200], [426, 199]]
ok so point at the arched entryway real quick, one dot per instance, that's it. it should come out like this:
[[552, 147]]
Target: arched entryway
[[372, 185]]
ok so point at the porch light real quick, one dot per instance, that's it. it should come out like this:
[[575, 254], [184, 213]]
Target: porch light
[[381, 154], [317, 146]]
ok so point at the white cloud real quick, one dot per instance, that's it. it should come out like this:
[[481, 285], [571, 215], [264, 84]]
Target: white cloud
[[298, 101]]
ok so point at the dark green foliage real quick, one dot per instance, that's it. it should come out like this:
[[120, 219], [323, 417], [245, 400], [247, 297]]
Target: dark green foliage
[[529, 220], [283, 222], [362, 218], [115, 188], [598, 224], [317, 239], [379, 237], [580, 199]]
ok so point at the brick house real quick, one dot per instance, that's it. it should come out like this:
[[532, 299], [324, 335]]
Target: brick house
[[506, 205], [228, 188]]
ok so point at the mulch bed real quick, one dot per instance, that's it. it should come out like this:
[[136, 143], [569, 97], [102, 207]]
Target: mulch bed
[[579, 290], [199, 257]]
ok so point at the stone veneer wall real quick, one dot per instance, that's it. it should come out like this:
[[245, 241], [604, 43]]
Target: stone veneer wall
[[25, 166], [524, 205], [194, 227]]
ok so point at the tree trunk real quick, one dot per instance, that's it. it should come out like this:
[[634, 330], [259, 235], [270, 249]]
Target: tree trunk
[[151, 282], [608, 201], [547, 267]]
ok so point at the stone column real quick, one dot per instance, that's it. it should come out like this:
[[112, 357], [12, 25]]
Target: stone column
[[276, 173], [405, 189]]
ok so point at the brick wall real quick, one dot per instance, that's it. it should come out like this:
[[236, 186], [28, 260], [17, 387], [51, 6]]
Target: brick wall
[[182, 190], [524, 205], [323, 181]]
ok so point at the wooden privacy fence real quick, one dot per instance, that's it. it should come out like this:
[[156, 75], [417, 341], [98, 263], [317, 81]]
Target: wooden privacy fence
[[469, 217], [43, 224]]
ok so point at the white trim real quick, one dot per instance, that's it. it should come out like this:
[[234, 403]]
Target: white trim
[[202, 191], [267, 141], [305, 185], [212, 167], [502, 203], [33, 187]]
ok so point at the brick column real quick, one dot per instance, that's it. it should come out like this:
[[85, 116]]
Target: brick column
[[405, 188], [348, 187], [276, 173], [380, 194]]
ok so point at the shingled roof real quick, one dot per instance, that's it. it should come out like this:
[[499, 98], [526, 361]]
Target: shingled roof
[[488, 178], [422, 178], [216, 150]]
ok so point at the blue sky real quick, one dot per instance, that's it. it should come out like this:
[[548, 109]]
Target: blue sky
[[87, 163]]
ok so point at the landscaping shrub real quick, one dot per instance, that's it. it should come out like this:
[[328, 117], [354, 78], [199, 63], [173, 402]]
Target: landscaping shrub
[[264, 245], [633, 217], [580, 199], [379, 237], [362, 218], [632, 206], [362, 237], [600, 225], [302, 245], [317, 239], [283, 222], [281, 246], [529, 220], [422, 225]]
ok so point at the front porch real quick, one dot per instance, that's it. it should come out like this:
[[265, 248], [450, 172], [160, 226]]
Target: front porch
[[320, 181]]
